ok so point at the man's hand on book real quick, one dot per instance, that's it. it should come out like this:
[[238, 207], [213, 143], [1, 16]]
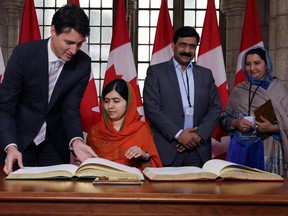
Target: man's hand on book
[[13, 155], [82, 150]]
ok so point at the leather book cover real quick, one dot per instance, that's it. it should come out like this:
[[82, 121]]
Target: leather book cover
[[267, 111]]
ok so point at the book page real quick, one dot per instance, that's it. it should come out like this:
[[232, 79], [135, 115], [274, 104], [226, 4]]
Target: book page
[[244, 172], [67, 170], [177, 173], [107, 166], [216, 166], [174, 170], [229, 170]]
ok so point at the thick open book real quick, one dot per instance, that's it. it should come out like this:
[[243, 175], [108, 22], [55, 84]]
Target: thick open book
[[95, 168], [214, 169]]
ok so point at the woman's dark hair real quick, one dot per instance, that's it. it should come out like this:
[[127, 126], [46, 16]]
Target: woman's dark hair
[[260, 52], [70, 17], [119, 85], [185, 31]]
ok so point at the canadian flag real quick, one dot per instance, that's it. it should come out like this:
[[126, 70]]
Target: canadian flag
[[29, 29], [162, 49], [251, 36], [2, 66], [89, 108], [211, 56], [121, 61]]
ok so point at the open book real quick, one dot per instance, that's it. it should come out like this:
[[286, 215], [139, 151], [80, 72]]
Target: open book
[[95, 168], [214, 169]]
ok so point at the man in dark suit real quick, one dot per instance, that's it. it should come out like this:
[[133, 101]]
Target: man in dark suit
[[182, 103], [31, 108]]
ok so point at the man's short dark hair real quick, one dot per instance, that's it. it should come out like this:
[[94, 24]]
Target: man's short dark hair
[[70, 17], [185, 31]]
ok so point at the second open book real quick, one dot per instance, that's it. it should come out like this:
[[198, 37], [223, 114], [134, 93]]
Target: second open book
[[214, 169]]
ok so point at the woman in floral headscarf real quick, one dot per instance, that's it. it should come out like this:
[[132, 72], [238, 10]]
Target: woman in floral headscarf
[[247, 146], [121, 136]]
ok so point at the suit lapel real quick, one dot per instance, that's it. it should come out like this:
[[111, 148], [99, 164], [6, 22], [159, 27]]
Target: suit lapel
[[65, 78], [60, 84], [197, 88], [43, 70], [174, 82]]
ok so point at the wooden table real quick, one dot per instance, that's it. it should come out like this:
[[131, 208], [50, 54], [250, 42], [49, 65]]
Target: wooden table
[[58, 197]]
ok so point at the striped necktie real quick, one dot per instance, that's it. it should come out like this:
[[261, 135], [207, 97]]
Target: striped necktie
[[53, 74]]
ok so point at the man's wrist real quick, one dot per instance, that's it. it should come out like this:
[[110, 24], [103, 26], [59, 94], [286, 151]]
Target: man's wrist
[[178, 134], [73, 141], [12, 144]]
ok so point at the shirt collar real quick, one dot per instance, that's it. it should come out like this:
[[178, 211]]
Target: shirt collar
[[51, 56], [178, 66]]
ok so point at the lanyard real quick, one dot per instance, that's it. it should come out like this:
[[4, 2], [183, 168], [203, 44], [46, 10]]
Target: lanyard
[[251, 99], [187, 90]]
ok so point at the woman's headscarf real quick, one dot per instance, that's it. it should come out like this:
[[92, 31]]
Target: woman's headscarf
[[132, 118], [268, 78]]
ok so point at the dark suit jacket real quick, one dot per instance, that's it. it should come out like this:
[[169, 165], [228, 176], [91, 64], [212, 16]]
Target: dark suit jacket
[[24, 98], [163, 107]]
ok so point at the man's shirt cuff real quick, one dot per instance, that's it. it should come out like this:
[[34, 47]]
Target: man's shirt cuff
[[75, 138], [178, 134], [11, 144]]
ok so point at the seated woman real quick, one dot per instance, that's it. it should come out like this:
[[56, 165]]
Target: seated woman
[[248, 146], [121, 136]]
